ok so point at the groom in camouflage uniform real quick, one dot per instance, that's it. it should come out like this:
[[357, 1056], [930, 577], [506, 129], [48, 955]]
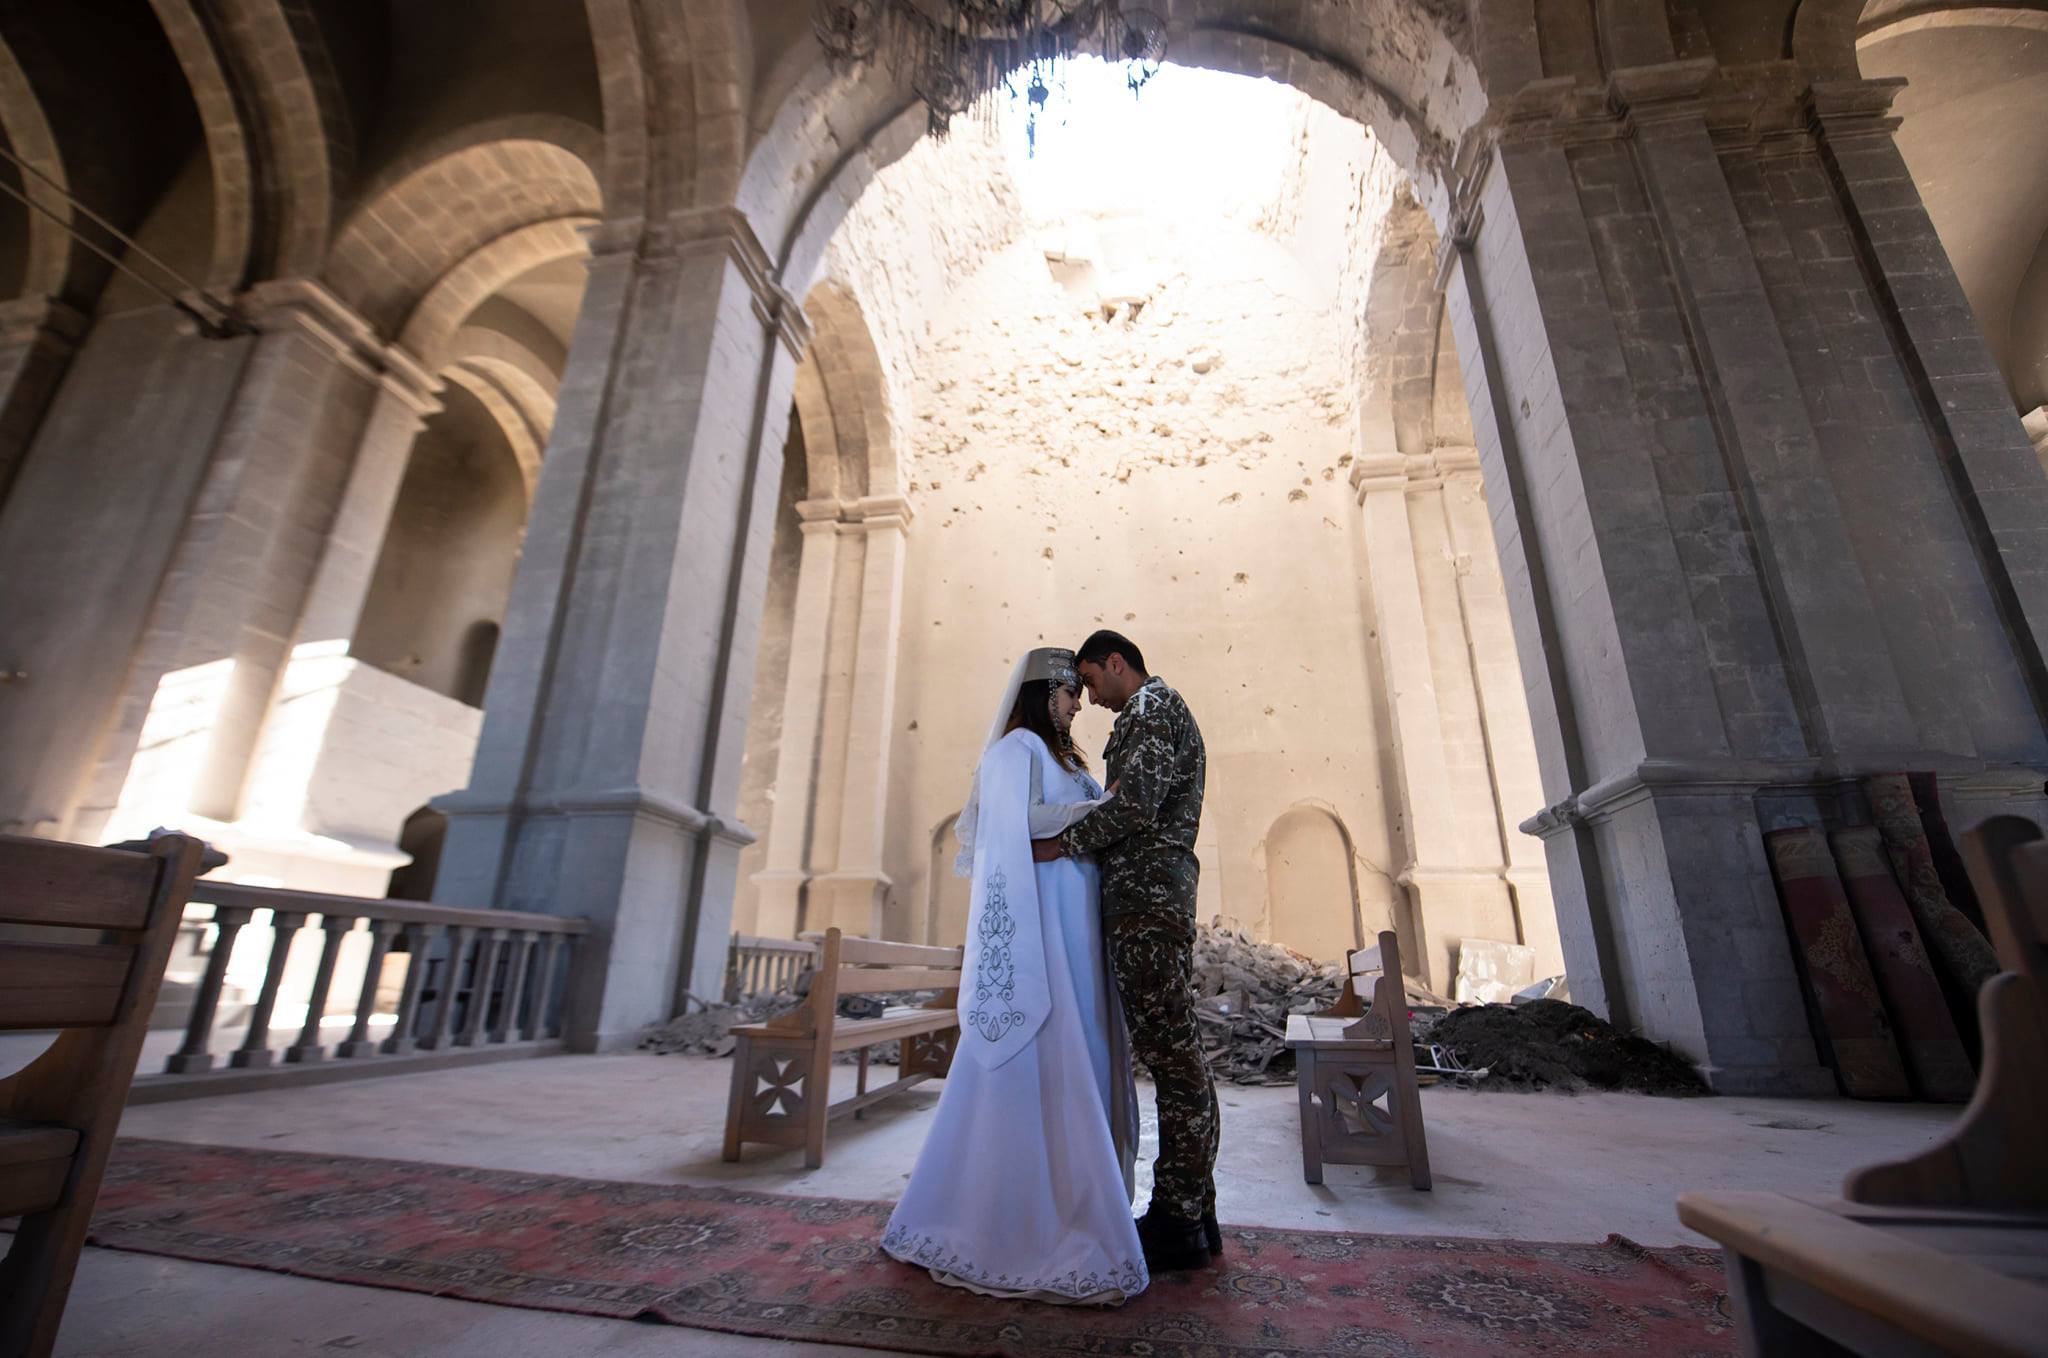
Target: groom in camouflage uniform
[[1144, 838]]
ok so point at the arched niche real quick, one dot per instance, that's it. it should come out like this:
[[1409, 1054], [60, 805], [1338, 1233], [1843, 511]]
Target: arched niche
[[1312, 895]]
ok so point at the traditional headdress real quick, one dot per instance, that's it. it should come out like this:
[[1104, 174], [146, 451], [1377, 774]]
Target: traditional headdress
[[1054, 664]]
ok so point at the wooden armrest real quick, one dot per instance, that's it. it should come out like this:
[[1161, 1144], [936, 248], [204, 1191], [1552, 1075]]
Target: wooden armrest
[[1946, 1300], [35, 1163]]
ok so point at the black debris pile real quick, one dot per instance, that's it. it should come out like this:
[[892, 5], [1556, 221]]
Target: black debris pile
[[1245, 991], [1549, 1044]]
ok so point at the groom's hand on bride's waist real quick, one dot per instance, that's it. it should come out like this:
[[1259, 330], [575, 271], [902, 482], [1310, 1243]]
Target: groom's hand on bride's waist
[[1047, 851]]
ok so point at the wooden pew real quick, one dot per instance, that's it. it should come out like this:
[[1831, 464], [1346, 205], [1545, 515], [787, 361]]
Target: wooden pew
[[782, 1069], [119, 912], [1354, 1070], [1945, 1252]]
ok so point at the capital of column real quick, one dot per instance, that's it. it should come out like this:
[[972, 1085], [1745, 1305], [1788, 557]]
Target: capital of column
[[723, 230], [872, 513], [1411, 473], [1379, 472], [1849, 107], [1744, 778], [622, 801], [287, 303]]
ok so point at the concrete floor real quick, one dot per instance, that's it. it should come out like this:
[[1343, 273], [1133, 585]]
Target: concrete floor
[[1538, 1167]]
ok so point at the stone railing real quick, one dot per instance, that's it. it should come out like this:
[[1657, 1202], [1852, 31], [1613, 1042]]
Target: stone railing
[[762, 966], [478, 984]]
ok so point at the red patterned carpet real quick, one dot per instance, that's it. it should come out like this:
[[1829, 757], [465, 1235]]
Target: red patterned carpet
[[809, 1268]]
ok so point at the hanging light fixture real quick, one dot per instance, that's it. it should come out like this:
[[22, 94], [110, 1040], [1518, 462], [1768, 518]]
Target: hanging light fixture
[[954, 51]]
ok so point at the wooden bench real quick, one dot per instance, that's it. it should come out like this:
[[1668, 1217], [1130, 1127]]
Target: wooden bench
[[1354, 1070], [782, 1069], [1946, 1252], [116, 914]]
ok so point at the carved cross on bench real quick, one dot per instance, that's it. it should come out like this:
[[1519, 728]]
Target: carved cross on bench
[[1354, 1070], [782, 1069]]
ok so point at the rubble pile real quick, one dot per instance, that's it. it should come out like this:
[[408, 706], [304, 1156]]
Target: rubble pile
[[704, 1032], [1245, 990], [707, 1031], [1549, 1044]]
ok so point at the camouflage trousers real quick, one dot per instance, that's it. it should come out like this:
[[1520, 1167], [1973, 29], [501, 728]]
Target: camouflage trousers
[[1154, 970]]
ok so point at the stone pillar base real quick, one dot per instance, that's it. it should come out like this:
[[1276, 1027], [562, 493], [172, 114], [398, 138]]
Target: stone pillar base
[[1453, 903], [780, 901]]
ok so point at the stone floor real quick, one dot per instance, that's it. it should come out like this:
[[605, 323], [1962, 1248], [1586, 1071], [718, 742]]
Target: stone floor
[[1536, 1167]]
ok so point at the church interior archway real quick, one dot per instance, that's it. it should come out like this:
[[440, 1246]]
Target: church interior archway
[[1078, 389]]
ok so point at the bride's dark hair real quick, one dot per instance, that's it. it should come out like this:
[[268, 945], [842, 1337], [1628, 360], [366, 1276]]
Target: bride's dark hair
[[1033, 713]]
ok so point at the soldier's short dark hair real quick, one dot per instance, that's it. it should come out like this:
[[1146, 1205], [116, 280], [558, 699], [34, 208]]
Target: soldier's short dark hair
[[1101, 645]]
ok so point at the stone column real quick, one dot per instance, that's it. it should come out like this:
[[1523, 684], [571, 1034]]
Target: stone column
[[38, 336], [238, 583], [213, 466], [1517, 783], [852, 893], [348, 560], [1747, 559], [608, 767], [781, 882], [1454, 873]]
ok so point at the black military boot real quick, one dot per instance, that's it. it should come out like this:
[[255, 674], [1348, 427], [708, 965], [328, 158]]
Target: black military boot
[[1172, 1242], [1214, 1233]]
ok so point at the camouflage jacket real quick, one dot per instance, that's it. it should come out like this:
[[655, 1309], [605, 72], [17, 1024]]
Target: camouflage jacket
[[1144, 836]]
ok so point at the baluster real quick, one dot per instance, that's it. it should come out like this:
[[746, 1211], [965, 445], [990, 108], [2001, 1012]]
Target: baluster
[[444, 1003], [489, 946], [515, 985], [544, 988], [359, 1043], [192, 1055], [419, 940], [309, 1047], [255, 1053]]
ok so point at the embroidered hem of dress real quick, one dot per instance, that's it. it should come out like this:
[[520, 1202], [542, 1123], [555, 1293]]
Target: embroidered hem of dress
[[946, 1266], [1115, 1296]]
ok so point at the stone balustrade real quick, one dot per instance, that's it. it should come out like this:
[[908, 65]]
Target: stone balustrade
[[481, 982], [762, 966]]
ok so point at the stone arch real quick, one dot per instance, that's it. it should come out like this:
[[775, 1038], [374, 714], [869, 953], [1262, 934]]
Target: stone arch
[[46, 270], [675, 81], [1418, 97], [279, 136], [447, 555], [515, 382], [434, 322], [422, 228], [522, 408], [840, 398]]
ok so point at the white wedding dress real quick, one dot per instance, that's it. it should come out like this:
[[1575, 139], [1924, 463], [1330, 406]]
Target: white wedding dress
[[1023, 1188]]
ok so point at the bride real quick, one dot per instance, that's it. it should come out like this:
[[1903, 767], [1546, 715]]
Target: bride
[[1024, 1185]]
